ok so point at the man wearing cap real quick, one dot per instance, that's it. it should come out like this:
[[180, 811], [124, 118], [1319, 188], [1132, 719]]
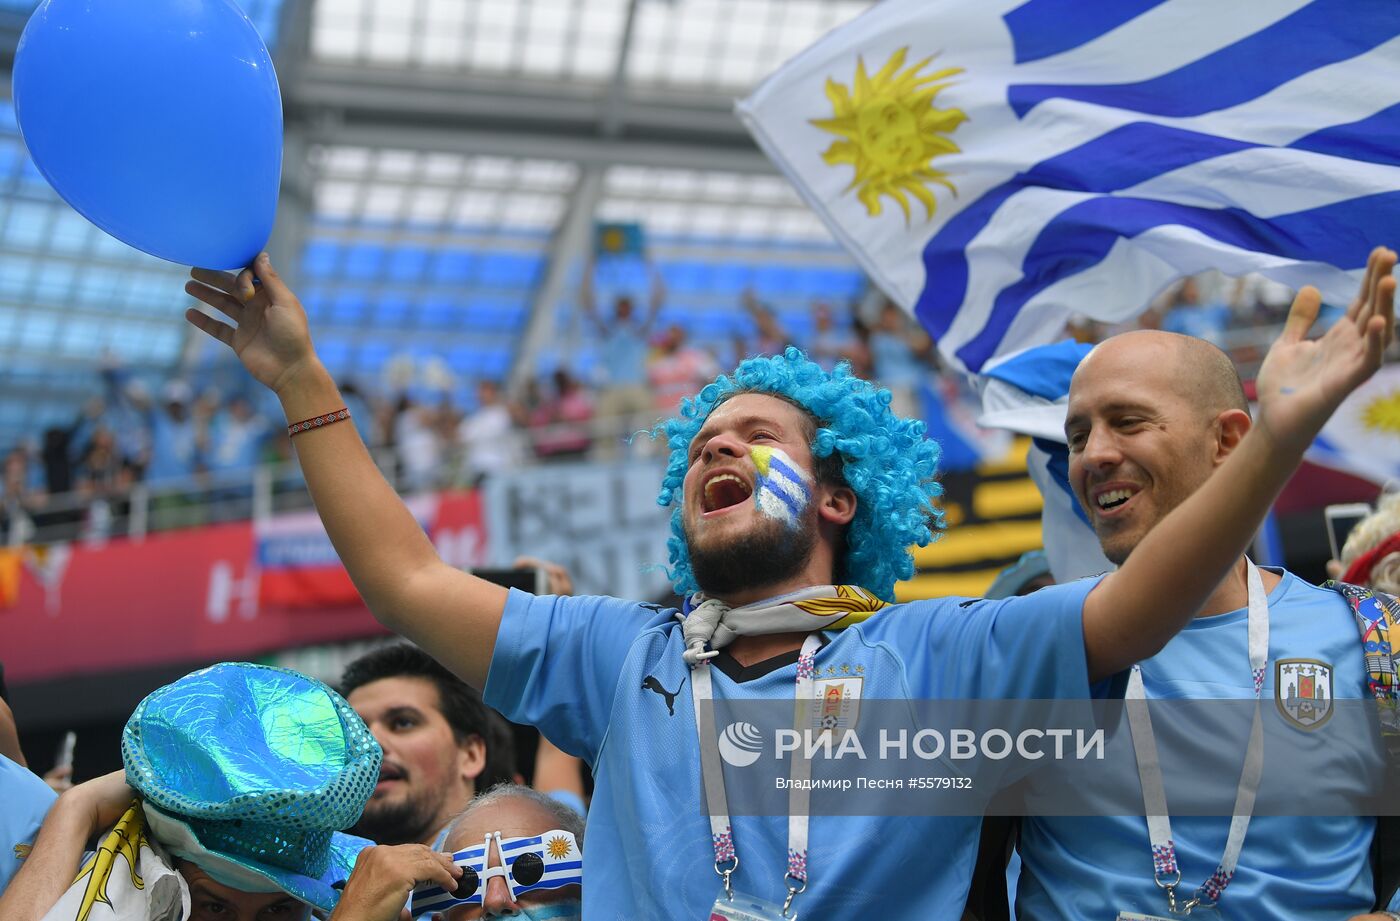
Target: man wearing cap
[[797, 494], [441, 743], [518, 853], [244, 774]]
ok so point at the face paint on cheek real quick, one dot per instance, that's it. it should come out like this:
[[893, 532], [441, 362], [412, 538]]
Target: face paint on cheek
[[782, 489]]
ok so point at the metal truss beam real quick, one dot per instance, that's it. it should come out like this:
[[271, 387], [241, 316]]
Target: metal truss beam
[[573, 237], [396, 108]]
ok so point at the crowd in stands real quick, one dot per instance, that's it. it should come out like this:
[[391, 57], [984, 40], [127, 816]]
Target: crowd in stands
[[189, 445], [192, 446]]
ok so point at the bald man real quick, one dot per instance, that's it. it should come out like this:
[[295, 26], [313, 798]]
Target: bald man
[[1151, 416]]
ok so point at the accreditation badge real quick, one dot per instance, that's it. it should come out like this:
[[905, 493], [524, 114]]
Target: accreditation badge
[[747, 908]]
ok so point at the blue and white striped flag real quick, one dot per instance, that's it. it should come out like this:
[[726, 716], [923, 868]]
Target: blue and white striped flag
[[996, 165], [1028, 393]]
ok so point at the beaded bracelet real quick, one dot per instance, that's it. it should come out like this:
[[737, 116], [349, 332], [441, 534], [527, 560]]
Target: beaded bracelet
[[340, 415]]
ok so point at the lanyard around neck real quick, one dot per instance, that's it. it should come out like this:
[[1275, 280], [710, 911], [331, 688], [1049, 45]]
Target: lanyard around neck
[[1165, 870], [712, 774]]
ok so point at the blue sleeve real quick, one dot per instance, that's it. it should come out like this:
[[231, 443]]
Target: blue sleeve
[[1030, 646], [24, 801], [557, 663]]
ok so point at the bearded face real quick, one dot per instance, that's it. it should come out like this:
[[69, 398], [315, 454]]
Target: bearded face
[[750, 513], [769, 551]]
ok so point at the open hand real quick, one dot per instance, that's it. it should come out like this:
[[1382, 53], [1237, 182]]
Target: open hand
[[385, 876], [1303, 381], [270, 334]]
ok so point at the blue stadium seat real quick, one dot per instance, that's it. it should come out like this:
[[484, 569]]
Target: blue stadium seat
[[391, 311], [440, 313], [363, 262], [39, 331], [319, 258], [685, 277], [775, 280], [453, 267], [408, 263], [370, 358], [335, 355], [317, 305], [81, 336], [496, 316], [348, 308], [510, 270], [731, 278]]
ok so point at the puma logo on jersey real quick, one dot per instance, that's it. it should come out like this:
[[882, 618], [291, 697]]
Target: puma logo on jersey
[[651, 684]]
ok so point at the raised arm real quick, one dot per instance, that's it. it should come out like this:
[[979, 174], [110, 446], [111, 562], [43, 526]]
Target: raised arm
[[1169, 575], [75, 818], [452, 615]]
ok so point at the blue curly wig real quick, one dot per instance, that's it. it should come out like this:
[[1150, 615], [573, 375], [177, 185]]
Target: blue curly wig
[[886, 460]]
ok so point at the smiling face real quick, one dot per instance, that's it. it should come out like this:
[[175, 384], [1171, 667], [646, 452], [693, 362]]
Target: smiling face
[[426, 777], [739, 543], [1141, 438]]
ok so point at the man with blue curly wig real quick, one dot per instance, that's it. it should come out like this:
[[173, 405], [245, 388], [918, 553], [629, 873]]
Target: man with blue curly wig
[[796, 496]]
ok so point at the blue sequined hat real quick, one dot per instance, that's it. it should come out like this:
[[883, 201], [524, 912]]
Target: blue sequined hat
[[250, 772]]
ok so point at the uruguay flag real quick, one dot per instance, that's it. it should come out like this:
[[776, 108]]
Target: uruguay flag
[[1028, 393], [1363, 435], [998, 164]]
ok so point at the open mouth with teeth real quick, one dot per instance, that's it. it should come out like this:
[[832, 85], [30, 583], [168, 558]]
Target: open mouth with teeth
[[724, 490], [1112, 499]]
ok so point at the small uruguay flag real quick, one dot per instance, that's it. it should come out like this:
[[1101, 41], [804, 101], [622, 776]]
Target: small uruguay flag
[[996, 165], [1028, 393], [781, 491]]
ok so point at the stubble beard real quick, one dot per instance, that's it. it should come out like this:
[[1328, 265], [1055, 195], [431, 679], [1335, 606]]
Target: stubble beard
[[408, 821], [767, 554]]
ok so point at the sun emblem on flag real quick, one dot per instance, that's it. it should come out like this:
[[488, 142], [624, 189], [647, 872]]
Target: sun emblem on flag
[[558, 847], [1383, 414], [890, 132]]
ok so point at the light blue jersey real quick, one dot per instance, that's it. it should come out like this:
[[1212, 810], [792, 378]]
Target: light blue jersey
[[604, 679], [1297, 868], [24, 801]]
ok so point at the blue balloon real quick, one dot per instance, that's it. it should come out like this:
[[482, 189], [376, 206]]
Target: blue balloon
[[159, 120]]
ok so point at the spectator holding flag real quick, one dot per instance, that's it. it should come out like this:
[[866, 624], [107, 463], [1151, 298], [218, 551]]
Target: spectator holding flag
[[761, 591], [624, 403]]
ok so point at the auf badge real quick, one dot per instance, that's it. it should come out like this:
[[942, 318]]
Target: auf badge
[[1303, 691]]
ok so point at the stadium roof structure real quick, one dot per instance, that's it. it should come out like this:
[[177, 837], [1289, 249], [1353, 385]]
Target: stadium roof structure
[[446, 163]]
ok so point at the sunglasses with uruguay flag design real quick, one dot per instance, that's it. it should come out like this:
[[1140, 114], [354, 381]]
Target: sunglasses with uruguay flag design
[[548, 861]]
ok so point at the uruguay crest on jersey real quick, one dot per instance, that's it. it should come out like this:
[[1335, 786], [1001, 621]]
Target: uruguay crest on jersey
[[1303, 691]]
